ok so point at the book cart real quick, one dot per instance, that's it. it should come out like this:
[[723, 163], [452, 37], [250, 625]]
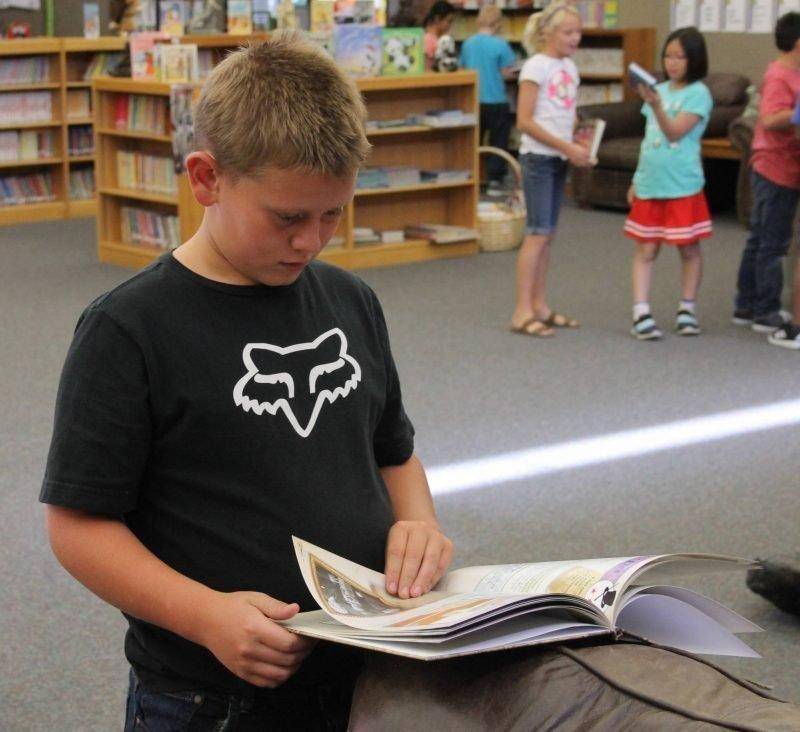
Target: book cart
[[387, 98], [62, 68]]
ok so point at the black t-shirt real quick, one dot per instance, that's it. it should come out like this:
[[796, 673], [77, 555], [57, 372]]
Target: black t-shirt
[[218, 420]]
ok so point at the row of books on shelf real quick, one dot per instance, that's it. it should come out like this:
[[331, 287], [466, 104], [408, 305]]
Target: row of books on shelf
[[154, 58], [26, 145], [80, 140], [600, 93], [433, 118], [140, 113], [25, 70], [195, 17], [79, 103], [101, 63], [21, 107], [28, 188], [599, 60], [406, 175], [149, 228], [140, 171], [81, 183], [434, 233]]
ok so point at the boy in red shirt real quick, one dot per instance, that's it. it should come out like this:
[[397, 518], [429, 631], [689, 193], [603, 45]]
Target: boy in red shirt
[[775, 179]]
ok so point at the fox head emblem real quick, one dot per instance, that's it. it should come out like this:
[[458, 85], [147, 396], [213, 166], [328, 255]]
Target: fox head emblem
[[297, 380]]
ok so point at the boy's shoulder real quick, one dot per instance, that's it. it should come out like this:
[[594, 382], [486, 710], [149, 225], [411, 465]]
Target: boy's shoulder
[[339, 280], [145, 286]]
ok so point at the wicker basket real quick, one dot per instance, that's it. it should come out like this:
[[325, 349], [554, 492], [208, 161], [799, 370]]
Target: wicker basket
[[503, 229]]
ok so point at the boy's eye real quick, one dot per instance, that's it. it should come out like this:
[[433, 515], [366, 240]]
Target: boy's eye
[[290, 218]]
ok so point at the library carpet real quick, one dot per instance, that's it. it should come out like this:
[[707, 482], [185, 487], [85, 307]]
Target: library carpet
[[472, 391]]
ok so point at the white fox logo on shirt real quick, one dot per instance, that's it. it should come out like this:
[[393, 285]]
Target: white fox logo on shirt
[[297, 380]]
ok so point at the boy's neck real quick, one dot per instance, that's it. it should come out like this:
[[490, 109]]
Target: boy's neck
[[199, 255], [790, 59]]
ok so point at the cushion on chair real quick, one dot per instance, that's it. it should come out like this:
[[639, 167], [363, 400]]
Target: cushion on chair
[[727, 88], [619, 152], [602, 687]]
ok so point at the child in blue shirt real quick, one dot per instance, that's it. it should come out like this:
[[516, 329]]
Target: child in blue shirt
[[668, 204], [493, 59]]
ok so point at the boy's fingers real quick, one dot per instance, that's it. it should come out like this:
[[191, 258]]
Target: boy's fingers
[[424, 579], [267, 675], [395, 551], [415, 551], [272, 608]]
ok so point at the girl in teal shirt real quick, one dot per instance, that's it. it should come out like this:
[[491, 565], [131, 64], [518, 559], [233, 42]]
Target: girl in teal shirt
[[668, 204]]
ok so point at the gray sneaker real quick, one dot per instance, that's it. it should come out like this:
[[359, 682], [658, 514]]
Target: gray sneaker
[[686, 323], [645, 329], [769, 323]]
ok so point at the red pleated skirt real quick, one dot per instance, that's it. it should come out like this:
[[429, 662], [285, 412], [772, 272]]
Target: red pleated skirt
[[676, 221]]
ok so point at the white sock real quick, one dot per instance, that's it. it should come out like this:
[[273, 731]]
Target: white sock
[[687, 305], [639, 309]]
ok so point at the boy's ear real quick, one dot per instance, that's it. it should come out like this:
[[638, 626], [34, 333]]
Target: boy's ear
[[203, 177]]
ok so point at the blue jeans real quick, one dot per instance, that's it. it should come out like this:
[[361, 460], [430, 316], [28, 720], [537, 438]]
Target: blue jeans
[[761, 270], [320, 708], [543, 180]]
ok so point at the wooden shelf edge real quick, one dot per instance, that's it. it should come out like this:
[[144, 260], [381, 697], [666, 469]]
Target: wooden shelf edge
[[28, 46], [384, 255], [137, 135], [81, 207], [26, 212], [394, 190], [31, 86], [415, 130], [130, 86], [31, 162], [416, 81], [127, 255], [30, 125], [138, 195], [80, 120]]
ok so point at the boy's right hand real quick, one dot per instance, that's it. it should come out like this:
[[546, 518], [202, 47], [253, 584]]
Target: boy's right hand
[[578, 155], [239, 629]]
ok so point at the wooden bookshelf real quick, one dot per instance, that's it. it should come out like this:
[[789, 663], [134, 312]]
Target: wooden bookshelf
[[381, 208], [68, 60]]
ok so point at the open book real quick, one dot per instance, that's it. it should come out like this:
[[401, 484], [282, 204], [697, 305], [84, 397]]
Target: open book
[[589, 134], [479, 609], [637, 75]]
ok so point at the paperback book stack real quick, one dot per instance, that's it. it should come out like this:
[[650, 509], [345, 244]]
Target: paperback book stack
[[26, 145], [81, 183], [148, 228], [445, 176], [25, 70], [140, 171], [101, 64], [448, 118], [25, 107], [81, 140], [140, 114], [388, 177], [30, 188]]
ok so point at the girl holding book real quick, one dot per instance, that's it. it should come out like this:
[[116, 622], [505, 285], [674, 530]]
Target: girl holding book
[[437, 23], [667, 200], [548, 95]]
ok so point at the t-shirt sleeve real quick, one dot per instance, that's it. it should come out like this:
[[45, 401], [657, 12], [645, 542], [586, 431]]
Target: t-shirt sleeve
[[507, 57], [776, 96], [535, 70], [102, 426], [393, 440], [698, 101]]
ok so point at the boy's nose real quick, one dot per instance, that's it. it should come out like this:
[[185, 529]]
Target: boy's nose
[[307, 239]]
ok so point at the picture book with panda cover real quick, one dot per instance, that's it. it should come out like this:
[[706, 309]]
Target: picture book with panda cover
[[403, 53]]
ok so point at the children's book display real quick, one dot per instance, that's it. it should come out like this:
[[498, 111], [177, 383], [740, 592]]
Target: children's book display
[[91, 20], [261, 16], [240, 17], [177, 62], [322, 18], [143, 54], [207, 17], [172, 18], [480, 609], [403, 53], [358, 49]]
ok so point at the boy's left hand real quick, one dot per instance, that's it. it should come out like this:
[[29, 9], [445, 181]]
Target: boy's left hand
[[417, 555]]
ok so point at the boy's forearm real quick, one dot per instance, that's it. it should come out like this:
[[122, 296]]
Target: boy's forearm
[[105, 556], [409, 492], [778, 121]]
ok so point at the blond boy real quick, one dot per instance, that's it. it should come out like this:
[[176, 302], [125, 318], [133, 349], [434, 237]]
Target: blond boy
[[230, 395]]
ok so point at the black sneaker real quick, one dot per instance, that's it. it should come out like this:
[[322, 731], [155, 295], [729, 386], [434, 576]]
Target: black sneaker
[[645, 329], [686, 323], [742, 317], [788, 337], [769, 323]]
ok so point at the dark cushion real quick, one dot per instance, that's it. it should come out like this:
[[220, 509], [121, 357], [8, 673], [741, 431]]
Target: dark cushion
[[720, 120], [620, 152], [623, 119], [727, 88]]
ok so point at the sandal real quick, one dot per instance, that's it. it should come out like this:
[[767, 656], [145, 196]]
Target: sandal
[[533, 327], [557, 320]]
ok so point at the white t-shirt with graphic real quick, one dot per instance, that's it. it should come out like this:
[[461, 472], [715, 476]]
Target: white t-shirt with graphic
[[556, 101]]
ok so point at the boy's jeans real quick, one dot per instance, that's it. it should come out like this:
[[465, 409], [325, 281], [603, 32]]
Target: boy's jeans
[[203, 711], [761, 269]]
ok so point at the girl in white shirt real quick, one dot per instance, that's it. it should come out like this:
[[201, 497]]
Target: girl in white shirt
[[546, 112]]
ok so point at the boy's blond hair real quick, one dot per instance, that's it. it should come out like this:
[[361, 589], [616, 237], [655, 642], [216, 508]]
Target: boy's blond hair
[[489, 17], [284, 103], [539, 25]]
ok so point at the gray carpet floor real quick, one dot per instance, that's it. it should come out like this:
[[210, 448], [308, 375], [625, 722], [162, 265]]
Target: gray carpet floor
[[473, 390]]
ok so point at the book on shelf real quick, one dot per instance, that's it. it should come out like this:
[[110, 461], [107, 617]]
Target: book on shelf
[[388, 177], [240, 17], [80, 140], [206, 18], [91, 20], [261, 15], [16, 190], [177, 63], [448, 118], [79, 103], [600, 93], [101, 63], [481, 609], [322, 19], [140, 113], [26, 145], [81, 183], [145, 172], [365, 235], [24, 107], [445, 176], [441, 233], [146, 227], [143, 54], [392, 236], [357, 49], [24, 70], [589, 134], [403, 52], [637, 75], [172, 17]]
